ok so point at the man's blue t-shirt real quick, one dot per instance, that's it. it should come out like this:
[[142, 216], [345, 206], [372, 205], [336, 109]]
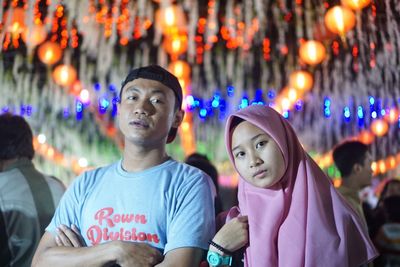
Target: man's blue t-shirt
[[167, 206]]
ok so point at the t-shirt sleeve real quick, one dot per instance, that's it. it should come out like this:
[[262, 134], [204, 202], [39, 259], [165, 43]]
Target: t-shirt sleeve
[[192, 220], [68, 209]]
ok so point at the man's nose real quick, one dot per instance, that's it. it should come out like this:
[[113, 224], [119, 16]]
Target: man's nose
[[143, 107]]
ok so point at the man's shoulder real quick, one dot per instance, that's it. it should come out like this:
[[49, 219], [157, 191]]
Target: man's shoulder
[[188, 176], [54, 182], [94, 175], [187, 171]]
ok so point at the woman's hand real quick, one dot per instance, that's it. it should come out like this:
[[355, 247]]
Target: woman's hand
[[233, 235]]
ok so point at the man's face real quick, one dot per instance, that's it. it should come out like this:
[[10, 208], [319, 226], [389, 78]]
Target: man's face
[[365, 174], [146, 112]]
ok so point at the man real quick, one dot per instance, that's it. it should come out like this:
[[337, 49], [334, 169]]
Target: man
[[146, 209], [27, 197], [353, 160]]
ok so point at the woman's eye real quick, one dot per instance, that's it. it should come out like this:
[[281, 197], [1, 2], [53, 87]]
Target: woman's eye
[[261, 144], [239, 154]]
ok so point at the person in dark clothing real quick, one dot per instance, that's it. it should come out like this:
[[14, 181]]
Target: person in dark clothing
[[201, 162], [385, 225], [27, 197]]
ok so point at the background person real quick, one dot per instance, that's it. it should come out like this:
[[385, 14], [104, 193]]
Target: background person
[[28, 198]]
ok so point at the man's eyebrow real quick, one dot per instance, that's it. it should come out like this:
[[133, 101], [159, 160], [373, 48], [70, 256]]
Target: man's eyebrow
[[138, 90], [131, 89]]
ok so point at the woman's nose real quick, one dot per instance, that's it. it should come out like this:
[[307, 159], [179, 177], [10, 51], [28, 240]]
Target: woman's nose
[[255, 161]]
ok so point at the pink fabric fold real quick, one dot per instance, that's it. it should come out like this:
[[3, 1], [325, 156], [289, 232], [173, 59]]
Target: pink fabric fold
[[302, 220]]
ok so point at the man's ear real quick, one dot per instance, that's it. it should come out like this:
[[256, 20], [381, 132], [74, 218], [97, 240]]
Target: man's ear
[[356, 168], [179, 115]]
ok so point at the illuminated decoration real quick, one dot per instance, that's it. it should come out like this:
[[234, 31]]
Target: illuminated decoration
[[50, 153], [374, 168], [180, 69], [76, 88], [186, 131], [327, 107], [392, 116], [83, 163], [176, 45], [379, 127], [16, 22], [378, 167], [384, 165], [184, 82], [292, 94], [366, 137], [391, 162], [171, 19], [41, 138], [301, 80], [312, 52], [35, 35], [84, 96], [346, 114], [64, 75], [325, 160], [287, 99], [340, 20], [49, 52], [337, 182], [381, 166], [232, 51], [356, 4], [321, 33], [360, 115]]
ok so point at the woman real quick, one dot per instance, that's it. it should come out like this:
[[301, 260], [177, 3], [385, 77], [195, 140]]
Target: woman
[[294, 214]]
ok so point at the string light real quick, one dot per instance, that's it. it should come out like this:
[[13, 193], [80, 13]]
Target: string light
[[346, 114], [244, 102], [327, 107], [360, 115]]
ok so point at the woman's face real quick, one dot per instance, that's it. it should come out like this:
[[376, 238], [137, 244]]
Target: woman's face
[[256, 155]]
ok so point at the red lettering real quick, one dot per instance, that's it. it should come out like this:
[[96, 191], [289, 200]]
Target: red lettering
[[127, 218], [142, 236], [94, 234], [105, 234], [121, 233], [117, 218], [114, 235], [134, 236], [140, 218], [128, 235], [153, 238], [104, 214]]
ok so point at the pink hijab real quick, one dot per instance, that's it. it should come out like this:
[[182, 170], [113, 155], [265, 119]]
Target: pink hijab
[[302, 220]]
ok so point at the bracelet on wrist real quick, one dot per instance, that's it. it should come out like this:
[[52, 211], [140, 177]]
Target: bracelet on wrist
[[220, 248]]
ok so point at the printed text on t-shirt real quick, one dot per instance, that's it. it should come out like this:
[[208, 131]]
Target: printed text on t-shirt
[[110, 226]]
